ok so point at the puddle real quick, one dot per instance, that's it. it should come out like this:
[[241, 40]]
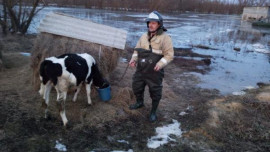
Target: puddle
[[232, 71], [25, 54]]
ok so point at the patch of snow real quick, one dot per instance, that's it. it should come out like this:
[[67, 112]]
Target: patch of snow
[[183, 113], [163, 133], [165, 17], [190, 108], [195, 16], [221, 31], [260, 48], [226, 31], [130, 150], [139, 15], [249, 87], [239, 93], [25, 54], [229, 30], [189, 28], [123, 141], [60, 147], [123, 60], [146, 15]]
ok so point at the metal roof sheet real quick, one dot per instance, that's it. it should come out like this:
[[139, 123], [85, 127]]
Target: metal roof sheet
[[60, 24]]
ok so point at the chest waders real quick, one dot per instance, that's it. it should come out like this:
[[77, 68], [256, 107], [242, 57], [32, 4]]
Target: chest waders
[[146, 75]]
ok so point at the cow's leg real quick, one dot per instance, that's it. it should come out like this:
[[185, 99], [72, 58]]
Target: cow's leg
[[45, 87], [63, 112], [88, 91], [61, 106], [62, 95], [46, 97], [42, 89], [76, 93]]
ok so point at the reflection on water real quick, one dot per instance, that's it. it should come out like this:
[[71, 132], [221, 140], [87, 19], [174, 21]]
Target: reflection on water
[[231, 71], [234, 71], [247, 27]]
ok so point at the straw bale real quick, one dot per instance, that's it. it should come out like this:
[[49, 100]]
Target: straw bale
[[47, 45]]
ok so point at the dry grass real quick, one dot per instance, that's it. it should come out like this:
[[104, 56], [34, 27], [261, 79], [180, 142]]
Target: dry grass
[[235, 120], [264, 96], [247, 125], [47, 45]]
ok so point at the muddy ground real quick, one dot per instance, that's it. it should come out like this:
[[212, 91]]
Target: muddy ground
[[213, 122]]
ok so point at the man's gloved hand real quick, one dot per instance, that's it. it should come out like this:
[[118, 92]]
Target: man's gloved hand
[[157, 68], [132, 63]]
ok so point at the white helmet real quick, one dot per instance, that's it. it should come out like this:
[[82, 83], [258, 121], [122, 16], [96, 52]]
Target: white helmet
[[155, 16]]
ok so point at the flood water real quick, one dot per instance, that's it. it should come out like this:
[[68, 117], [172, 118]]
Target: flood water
[[231, 71]]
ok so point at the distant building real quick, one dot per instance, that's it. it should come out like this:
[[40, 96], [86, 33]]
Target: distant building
[[256, 13]]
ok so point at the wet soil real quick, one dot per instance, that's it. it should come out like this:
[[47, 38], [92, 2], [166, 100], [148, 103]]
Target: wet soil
[[213, 123]]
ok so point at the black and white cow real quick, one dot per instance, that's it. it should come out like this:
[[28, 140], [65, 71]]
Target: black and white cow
[[66, 70]]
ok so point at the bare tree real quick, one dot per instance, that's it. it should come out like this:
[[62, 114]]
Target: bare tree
[[18, 14], [206, 6], [3, 18], [262, 2]]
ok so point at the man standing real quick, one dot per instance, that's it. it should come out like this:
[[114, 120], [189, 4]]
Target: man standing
[[152, 53]]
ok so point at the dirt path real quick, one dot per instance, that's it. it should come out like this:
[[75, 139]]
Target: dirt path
[[212, 123]]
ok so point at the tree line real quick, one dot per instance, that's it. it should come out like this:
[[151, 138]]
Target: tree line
[[203, 6], [16, 15]]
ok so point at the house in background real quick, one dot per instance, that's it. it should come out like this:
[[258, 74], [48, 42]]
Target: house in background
[[256, 14]]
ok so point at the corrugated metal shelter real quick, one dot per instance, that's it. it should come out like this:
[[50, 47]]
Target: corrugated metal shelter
[[60, 24], [60, 33], [256, 13]]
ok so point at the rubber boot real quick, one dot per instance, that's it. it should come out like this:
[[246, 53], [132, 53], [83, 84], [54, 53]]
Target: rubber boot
[[153, 115], [137, 105]]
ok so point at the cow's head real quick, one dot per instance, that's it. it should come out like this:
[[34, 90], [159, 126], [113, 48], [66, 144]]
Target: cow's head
[[104, 84], [98, 79]]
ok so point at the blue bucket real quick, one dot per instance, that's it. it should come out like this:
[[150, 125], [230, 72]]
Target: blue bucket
[[105, 93]]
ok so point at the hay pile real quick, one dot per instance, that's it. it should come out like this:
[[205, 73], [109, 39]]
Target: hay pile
[[115, 110], [47, 45]]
